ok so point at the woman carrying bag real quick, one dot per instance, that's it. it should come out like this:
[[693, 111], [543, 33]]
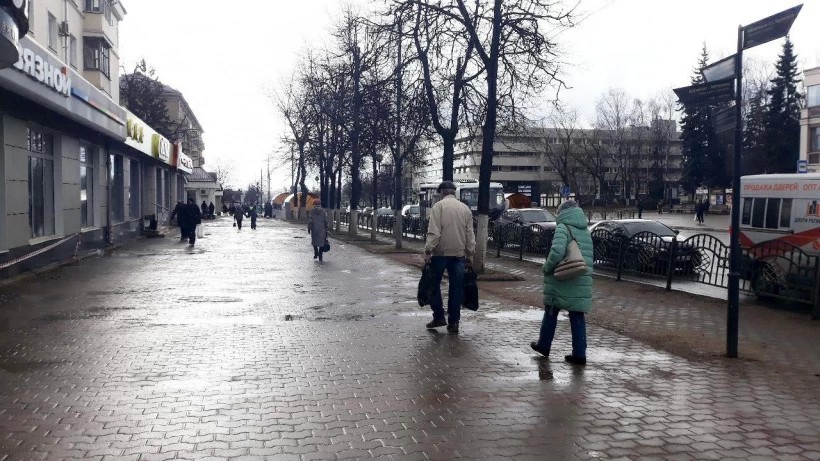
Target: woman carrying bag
[[568, 281], [317, 228]]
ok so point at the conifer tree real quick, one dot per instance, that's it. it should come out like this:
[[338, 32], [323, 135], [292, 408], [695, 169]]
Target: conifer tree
[[782, 118]]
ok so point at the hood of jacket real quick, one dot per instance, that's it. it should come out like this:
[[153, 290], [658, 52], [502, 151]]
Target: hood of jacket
[[574, 217]]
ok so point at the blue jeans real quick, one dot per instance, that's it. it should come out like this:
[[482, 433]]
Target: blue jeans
[[455, 270], [577, 326]]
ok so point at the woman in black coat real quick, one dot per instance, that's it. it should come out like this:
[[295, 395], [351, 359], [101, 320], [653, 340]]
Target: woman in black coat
[[188, 218]]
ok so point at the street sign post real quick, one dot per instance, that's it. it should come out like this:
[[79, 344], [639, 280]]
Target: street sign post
[[707, 94], [723, 69], [565, 191], [802, 166], [771, 28], [724, 119]]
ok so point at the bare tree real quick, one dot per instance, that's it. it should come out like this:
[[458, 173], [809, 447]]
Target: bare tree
[[224, 170], [562, 145]]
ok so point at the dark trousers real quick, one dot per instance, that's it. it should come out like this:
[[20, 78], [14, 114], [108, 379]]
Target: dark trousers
[[317, 252], [577, 326], [253, 222], [455, 267], [239, 224], [188, 231]]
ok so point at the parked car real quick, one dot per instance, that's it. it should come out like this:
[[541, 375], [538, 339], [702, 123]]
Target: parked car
[[531, 222], [411, 211], [647, 246]]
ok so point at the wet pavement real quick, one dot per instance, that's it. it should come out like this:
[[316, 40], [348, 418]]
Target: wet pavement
[[246, 348]]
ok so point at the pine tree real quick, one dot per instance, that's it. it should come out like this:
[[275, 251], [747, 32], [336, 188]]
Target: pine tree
[[782, 118], [704, 160], [754, 157]]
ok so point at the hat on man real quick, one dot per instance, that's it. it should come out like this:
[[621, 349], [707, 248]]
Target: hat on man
[[446, 185]]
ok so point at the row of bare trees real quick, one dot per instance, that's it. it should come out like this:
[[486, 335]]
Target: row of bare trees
[[417, 72]]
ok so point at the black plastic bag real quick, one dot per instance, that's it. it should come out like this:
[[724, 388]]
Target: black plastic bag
[[471, 289], [427, 285]]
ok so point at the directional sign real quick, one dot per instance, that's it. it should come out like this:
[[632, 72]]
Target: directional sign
[[725, 68], [565, 191], [707, 93], [802, 166], [724, 119], [771, 28]]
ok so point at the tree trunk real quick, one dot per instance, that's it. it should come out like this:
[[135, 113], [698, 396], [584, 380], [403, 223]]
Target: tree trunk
[[481, 249], [449, 141], [398, 202]]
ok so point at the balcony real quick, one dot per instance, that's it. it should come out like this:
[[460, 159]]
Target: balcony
[[96, 24]]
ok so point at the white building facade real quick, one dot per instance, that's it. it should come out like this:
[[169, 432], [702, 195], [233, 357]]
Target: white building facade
[[810, 121]]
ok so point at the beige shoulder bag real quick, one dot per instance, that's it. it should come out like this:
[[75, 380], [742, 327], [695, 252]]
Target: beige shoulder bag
[[573, 264]]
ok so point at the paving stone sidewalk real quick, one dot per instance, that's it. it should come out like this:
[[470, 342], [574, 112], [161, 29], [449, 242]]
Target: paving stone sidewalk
[[246, 348]]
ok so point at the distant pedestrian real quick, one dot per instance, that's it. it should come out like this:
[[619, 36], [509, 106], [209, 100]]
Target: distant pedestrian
[[224, 209], [640, 209], [660, 206], [189, 217], [706, 206], [238, 215], [317, 228], [204, 208], [175, 214], [211, 209], [253, 215], [573, 296], [450, 245], [699, 210]]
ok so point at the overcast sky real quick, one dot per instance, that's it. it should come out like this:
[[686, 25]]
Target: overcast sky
[[226, 59]]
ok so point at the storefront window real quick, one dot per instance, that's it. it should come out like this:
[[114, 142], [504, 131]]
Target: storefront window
[[117, 189], [87, 185], [159, 190], [40, 183], [134, 190]]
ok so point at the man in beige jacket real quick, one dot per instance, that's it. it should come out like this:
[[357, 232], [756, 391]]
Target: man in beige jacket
[[450, 245]]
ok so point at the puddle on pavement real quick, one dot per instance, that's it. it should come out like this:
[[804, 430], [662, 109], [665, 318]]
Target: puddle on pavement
[[210, 299], [229, 320]]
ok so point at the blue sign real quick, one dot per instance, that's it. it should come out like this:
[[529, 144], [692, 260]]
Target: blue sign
[[565, 191], [802, 166]]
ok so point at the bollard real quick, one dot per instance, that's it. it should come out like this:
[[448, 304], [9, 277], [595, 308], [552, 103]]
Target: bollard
[[620, 257], [498, 241], [670, 269], [521, 243]]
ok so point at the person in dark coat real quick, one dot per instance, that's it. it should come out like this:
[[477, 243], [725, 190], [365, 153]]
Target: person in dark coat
[[211, 209], [189, 217], [640, 209], [699, 209], [238, 214], [253, 215], [317, 228], [174, 214]]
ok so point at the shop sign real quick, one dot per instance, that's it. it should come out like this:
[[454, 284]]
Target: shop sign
[[136, 130], [182, 161], [53, 75], [161, 148]]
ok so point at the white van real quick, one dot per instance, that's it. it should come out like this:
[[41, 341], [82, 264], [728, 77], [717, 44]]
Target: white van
[[783, 207]]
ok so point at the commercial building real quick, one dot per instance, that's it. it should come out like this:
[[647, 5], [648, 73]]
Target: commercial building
[[600, 164], [79, 172], [810, 121]]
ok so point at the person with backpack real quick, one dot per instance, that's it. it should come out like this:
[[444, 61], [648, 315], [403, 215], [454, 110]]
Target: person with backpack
[[573, 292]]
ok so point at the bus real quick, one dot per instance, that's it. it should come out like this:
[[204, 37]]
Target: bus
[[467, 193]]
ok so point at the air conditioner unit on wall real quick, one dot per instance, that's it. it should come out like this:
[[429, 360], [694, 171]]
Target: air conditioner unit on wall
[[63, 29], [203, 192]]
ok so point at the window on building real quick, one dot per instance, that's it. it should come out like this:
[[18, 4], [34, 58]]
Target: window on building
[[97, 55], [134, 196], [116, 183], [100, 6], [814, 139], [813, 96], [86, 185], [52, 32], [72, 51], [40, 183]]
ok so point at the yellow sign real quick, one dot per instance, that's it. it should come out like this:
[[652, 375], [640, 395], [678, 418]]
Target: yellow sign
[[136, 131], [161, 148]]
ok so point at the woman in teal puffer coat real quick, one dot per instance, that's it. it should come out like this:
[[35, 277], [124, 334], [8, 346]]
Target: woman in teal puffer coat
[[574, 296]]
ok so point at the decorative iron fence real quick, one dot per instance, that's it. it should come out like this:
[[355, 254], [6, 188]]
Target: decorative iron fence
[[774, 269]]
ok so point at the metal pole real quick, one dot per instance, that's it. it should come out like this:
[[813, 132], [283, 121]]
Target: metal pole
[[733, 312]]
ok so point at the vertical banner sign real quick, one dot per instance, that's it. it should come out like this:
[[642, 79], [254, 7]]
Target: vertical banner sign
[[13, 26], [771, 28]]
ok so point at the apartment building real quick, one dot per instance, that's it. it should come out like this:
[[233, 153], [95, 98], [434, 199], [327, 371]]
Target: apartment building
[[537, 161], [79, 172], [810, 121]]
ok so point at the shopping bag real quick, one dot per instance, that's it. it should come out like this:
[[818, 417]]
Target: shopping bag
[[427, 285], [326, 246], [200, 232], [471, 289]]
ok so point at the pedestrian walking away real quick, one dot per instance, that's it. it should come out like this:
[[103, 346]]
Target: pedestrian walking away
[[699, 209], [253, 215], [211, 209], [640, 209], [204, 208], [573, 295], [317, 228], [238, 214], [175, 214], [450, 245], [189, 217]]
